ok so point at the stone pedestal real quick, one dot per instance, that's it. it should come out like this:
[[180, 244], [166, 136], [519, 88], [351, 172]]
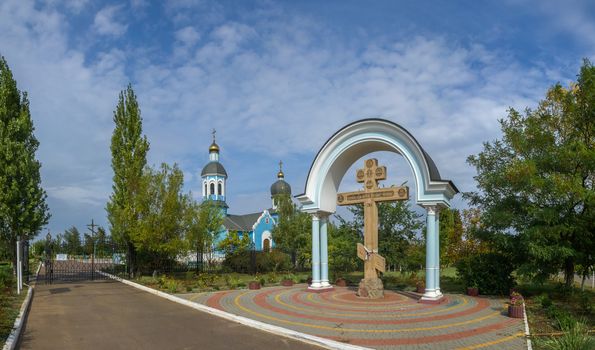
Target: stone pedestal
[[371, 288]]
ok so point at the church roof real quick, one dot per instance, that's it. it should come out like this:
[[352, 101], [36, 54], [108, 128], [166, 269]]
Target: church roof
[[242, 222], [280, 187], [213, 168]]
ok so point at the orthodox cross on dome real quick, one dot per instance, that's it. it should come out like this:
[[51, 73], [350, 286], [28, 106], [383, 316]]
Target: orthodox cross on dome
[[370, 197], [214, 132]]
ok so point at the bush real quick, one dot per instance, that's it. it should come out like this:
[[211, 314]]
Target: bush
[[491, 273], [576, 337], [7, 279], [544, 300], [241, 261]]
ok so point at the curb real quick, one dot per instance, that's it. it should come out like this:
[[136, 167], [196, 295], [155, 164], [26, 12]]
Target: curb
[[306, 338], [15, 334], [527, 333]]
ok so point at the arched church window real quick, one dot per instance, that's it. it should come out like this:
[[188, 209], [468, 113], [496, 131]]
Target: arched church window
[[212, 188], [219, 189], [206, 192], [266, 245]]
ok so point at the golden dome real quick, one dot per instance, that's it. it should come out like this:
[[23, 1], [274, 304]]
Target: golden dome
[[214, 147], [280, 174]]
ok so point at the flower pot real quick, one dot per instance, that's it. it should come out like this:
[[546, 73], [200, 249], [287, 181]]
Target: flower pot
[[254, 285], [515, 311], [287, 283], [341, 282], [472, 291]]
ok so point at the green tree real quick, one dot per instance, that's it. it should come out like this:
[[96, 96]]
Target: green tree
[[293, 231], [342, 242], [451, 236], [536, 183], [203, 222], [129, 157], [23, 210], [161, 208], [72, 241]]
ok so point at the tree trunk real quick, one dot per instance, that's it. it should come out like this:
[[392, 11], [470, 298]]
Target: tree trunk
[[131, 258], [569, 272]]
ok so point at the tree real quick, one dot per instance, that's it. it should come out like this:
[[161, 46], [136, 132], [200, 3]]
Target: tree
[[293, 231], [451, 236], [129, 157], [23, 210], [72, 241], [536, 183], [342, 242], [203, 222], [161, 208]]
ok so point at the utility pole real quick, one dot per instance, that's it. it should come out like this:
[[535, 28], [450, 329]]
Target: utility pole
[[92, 228]]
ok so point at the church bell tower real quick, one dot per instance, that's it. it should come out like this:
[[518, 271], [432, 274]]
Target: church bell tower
[[214, 177]]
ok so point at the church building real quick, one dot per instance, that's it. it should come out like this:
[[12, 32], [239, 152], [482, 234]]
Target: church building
[[259, 225]]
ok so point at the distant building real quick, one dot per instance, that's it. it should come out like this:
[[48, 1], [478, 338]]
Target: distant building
[[258, 226]]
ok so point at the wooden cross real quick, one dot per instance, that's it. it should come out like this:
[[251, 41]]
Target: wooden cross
[[370, 197]]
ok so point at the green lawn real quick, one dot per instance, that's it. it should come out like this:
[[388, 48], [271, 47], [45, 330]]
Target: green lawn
[[189, 282], [10, 303]]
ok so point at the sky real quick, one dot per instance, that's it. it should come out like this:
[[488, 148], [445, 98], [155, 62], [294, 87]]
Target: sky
[[276, 79]]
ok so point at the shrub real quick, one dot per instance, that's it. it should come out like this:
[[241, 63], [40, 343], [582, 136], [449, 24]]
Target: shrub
[[491, 273], [576, 337], [7, 279], [586, 303], [544, 300]]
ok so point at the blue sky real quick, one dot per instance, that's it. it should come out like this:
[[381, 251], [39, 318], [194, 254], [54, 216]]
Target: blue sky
[[276, 79]]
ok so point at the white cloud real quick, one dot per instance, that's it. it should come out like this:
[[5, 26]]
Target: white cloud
[[187, 36], [106, 21], [274, 88]]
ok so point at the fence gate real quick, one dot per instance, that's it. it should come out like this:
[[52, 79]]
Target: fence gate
[[93, 259]]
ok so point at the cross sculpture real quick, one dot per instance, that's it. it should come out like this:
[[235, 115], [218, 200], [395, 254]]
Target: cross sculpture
[[371, 285]]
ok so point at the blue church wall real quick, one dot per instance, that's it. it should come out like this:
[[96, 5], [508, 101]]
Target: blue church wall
[[263, 226]]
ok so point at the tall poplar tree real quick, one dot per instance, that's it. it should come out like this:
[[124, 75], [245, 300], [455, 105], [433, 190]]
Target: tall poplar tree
[[23, 210], [129, 156]]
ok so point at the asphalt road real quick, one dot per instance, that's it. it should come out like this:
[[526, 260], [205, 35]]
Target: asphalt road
[[112, 315]]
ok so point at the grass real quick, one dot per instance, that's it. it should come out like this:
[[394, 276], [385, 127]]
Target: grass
[[559, 315], [10, 303], [189, 282]]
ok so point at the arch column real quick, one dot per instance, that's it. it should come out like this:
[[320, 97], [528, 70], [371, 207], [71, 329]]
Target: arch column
[[315, 252], [432, 292], [320, 279], [324, 251]]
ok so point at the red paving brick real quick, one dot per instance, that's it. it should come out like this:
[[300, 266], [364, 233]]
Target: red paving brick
[[398, 320]]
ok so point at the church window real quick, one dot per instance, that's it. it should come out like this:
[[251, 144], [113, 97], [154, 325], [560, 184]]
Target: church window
[[266, 245], [212, 188], [219, 189], [205, 192], [267, 220]]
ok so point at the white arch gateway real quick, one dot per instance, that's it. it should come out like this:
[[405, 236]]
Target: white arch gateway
[[332, 162]]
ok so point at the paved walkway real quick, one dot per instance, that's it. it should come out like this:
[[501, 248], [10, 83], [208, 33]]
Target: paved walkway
[[112, 315], [397, 321]]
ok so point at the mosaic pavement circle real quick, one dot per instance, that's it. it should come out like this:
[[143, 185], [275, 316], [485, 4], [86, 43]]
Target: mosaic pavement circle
[[398, 320]]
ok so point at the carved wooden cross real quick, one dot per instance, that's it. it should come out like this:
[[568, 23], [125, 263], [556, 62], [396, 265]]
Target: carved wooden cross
[[369, 197]]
